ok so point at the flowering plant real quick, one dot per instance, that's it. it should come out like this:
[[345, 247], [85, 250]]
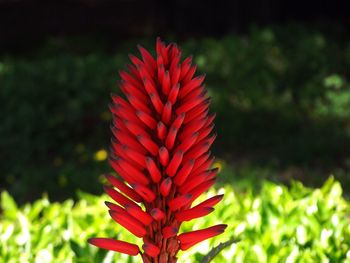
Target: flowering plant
[[160, 149]]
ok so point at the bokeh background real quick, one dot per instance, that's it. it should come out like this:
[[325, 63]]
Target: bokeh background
[[278, 73]]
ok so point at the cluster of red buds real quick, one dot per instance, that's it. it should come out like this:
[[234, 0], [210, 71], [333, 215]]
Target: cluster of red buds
[[161, 152]]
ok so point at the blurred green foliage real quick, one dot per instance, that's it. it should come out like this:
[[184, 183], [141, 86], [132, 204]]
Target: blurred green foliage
[[274, 224], [281, 94]]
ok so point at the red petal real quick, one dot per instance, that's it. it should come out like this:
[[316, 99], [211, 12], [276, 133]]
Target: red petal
[[194, 237], [128, 140], [189, 105], [124, 188], [157, 214], [187, 215], [196, 192], [133, 172], [138, 213], [175, 71], [187, 143], [185, 66], [166, 115], [115, 245], [146, 119], [132, 225], [173, 93], [157, 103], [144, 192], [174, 163], [116, 167], [201, 159], [182, 175], [135, 156], [163, 156], [189, 75], [194, 181], [129, 78], [114, 207], [151, 249], [194, 83], [147, 58], [128, 88], [211, 201], [169, 231], [161, 130], [153, 170], [138, 104], [150, 145], [165, 187], [166, 82], [170, 139], [134, 128], [192, 127], [180, 201], [116, 196], [194, 93]]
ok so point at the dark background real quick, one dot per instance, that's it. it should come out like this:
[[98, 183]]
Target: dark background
[[278, 72], [26, 24]]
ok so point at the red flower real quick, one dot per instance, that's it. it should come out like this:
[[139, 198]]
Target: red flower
[[160, 149]]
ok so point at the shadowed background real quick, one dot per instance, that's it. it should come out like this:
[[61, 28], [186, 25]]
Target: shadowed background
[[277, 72]]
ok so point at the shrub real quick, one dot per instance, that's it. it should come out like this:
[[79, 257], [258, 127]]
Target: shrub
[[276, 99], [277, 224]]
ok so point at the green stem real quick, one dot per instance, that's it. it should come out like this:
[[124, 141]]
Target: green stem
[[216, 250]]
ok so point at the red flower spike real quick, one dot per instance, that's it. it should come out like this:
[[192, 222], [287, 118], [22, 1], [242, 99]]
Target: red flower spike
[[162, 134], [115, 245], [151, 249]]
